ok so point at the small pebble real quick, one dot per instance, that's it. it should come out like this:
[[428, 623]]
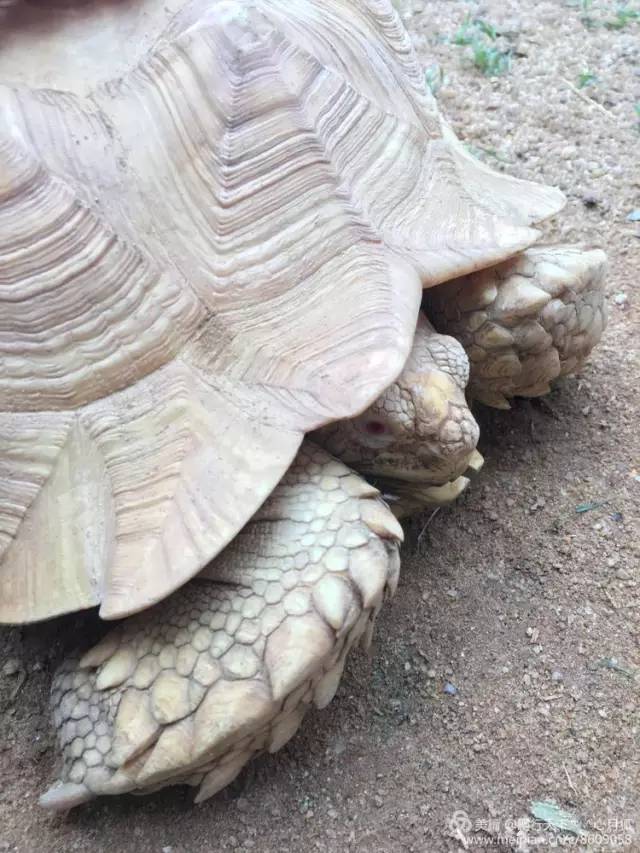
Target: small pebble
[[11, 667], [449, 688]]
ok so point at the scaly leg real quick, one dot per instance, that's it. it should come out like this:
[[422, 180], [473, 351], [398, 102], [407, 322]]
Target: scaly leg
[[524, 322], [188, 691]]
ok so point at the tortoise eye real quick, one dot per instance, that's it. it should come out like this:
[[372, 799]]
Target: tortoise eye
[[375, 427]]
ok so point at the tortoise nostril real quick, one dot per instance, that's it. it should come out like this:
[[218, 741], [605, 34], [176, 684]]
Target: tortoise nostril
[[375, 427]]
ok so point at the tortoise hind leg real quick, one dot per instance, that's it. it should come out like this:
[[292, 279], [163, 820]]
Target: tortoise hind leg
[[526, 321], [188, 691]]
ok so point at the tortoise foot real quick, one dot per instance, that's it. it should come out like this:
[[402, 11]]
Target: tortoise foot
[[525, 322]]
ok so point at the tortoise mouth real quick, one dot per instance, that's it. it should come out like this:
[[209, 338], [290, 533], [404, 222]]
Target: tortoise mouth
[[402, 482], [430, 470], [79, 44]]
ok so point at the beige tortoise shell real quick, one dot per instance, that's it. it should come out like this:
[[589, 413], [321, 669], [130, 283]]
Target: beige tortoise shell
[[216, 219]]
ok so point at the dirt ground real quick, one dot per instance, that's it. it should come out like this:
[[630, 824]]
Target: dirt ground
[[507, 668]]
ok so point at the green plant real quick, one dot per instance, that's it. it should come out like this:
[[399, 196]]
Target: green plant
[[624, 15], [486, 154], [434, 78], [490, 60], [585, 17], [587, 78], [480, 36]]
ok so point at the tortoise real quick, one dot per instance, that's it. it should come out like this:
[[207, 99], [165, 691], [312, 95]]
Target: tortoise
[[219, 222]]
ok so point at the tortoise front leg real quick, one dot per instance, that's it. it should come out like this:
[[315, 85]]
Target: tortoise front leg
[[189, 691]]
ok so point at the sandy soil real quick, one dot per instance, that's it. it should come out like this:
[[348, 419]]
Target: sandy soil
[[525, 606]]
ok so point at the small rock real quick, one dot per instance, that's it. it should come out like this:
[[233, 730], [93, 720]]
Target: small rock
[[339, 746], [12, 667], [556, 675], [450, 689]]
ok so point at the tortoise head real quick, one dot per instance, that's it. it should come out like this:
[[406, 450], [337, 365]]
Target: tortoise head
[[420, 431]]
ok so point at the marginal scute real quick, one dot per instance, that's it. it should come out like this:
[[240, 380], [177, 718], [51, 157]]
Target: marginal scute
[[56, 516]]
